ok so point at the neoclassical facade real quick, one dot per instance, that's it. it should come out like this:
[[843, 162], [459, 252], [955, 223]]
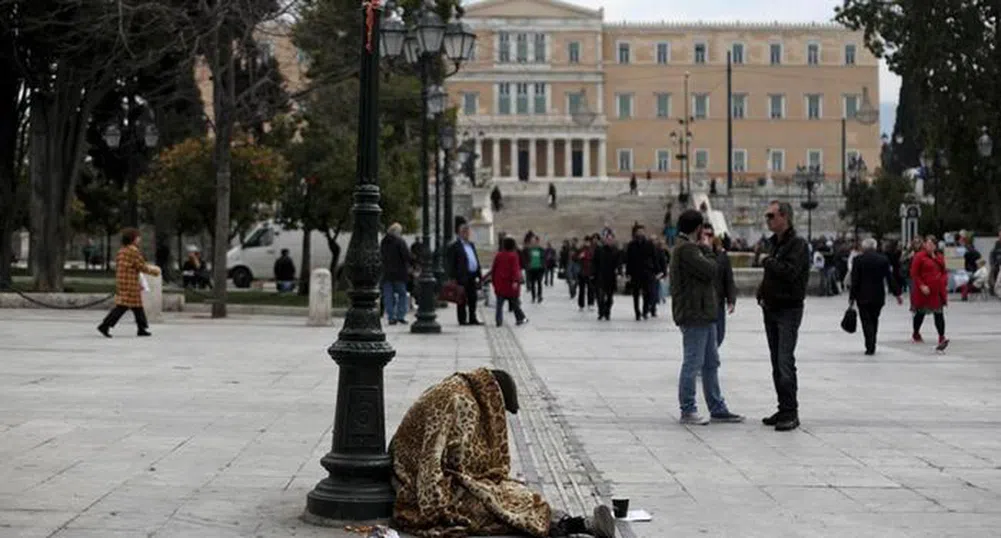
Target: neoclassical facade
[[555, 92]]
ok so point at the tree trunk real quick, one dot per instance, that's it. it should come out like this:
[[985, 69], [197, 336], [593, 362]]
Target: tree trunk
[[305, 267], [223, 94], [335, 255], [10, 121]]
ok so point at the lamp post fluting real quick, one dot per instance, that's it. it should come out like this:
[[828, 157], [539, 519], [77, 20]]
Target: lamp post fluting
[[358, 486]]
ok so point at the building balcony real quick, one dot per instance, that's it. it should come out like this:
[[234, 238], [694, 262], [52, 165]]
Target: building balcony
[[536, 123]]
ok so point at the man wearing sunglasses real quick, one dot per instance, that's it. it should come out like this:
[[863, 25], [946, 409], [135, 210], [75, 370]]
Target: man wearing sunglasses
[[781, 295]]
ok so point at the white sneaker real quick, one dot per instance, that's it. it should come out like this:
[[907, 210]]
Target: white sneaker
[[693, 419]]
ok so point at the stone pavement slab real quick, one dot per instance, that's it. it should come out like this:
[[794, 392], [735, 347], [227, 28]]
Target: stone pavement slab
[[216, 428]]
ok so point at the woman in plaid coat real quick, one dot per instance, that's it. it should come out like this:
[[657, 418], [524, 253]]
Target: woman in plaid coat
[[128, 291]]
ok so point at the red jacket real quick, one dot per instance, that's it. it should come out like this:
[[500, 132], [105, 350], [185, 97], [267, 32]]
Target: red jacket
[[929, 270], [506, 274]]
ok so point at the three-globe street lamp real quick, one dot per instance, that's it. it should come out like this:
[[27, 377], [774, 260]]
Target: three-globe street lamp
[[809, 178], [683, 142], [931, 163], [140, 134], [857, 169], [446, 138], [437, 101], [359, 486], [423, 47]]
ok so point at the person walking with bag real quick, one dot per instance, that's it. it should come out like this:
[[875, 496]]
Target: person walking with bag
[[929, 291], [506, 279], [607, 259], [129, 265], [872, 272]]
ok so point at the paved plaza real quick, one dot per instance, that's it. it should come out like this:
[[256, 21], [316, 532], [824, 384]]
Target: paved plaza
[[216, 428]]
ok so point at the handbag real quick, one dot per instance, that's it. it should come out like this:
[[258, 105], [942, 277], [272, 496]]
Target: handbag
[[849, 323], [452, 292]]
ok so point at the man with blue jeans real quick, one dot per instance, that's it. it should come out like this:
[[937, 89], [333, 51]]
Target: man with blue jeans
[[693, 304], [396, 262]]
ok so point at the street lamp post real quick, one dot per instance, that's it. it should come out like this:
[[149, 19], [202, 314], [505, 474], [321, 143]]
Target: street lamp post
[[931, 162], [140, 134], [446, 138], [358, 486], [683, 143], [857, 169], [808, 179], [985, 147], [423, 48]]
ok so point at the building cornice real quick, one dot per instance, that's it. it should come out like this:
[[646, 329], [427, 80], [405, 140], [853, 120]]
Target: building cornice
[[724, 26]]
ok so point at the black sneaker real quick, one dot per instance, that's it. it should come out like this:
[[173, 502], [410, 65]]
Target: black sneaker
[[727, 417], [771, 421], [787, 424], [392, 322], [144, 332], [104, 330]]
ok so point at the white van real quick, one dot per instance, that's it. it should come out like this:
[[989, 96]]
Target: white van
[[254, 258]]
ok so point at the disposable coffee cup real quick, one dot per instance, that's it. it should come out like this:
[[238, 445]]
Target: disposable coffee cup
[[620, 507]]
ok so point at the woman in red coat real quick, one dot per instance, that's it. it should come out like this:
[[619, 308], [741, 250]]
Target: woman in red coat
[[929, 290], [506, 277]]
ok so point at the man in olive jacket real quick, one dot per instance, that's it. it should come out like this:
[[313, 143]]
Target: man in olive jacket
[[781, 295], [693, 298]]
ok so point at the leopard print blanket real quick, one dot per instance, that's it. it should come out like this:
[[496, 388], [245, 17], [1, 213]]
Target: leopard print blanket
[[451, 464]]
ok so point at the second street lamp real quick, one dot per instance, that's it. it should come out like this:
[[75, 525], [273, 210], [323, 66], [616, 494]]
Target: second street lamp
[[447, 138]]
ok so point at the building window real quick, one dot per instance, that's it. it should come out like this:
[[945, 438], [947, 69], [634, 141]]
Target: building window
[[701, 52], [740, 160], [470, 103], [701, 159], [625, 105], [574, 51], [663, 160], [778, 160], [625, 160], [815, 159], [737, 54], [850, 54], [540, 98], [663, 53], [540, 48], [663, 105], [504, 47], [521, 43], [776, 106], [504, 98], [623, 53], [813, 54], [700, 102], [522, 101], [739, 106], [851, 106], [775, 53], [575, 102], [814, 106]]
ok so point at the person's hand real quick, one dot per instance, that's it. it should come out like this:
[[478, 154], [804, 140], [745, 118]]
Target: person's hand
[[731, 307], [925, 290]]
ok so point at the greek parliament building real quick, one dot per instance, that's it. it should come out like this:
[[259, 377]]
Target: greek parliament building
[[556, 92]]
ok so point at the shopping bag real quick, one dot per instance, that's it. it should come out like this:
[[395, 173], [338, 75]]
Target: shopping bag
[[143, 283], [849, 323]]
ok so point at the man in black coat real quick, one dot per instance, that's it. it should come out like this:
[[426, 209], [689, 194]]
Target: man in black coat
[[396, 265], [464, 268], [607, 259], [872, 272], [782, 294], [641, 267]]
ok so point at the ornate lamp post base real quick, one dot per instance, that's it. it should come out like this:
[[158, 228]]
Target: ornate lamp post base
[[427, 319]]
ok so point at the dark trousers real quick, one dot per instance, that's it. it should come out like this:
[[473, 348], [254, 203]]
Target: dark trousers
[[467, 312], [118, 311], [869, 316], [535, 277], [782, 331], [643, 288], [606, 295], [550, 278], [585, 291]]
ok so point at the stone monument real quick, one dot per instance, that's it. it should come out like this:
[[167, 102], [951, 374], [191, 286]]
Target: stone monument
[[321, 298]]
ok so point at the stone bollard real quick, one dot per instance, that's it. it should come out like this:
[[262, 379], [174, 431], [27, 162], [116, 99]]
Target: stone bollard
[[153, 298], [321, 298]]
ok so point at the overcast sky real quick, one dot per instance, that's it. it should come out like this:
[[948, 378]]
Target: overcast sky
[[734, 10]]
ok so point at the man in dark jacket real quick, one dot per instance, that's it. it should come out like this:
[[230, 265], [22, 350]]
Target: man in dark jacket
[[781, 295], [641, 267], [284, 272], [870, 271], [396, 264], [464, 268], [607, 259], [693, 304], [726, 288]]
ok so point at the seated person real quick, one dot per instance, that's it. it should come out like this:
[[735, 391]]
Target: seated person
[[194, 272], [285, 272], [451, 465], [977, 282]]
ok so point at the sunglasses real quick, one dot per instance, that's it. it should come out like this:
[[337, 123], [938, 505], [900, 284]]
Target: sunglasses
[[770, 216]]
